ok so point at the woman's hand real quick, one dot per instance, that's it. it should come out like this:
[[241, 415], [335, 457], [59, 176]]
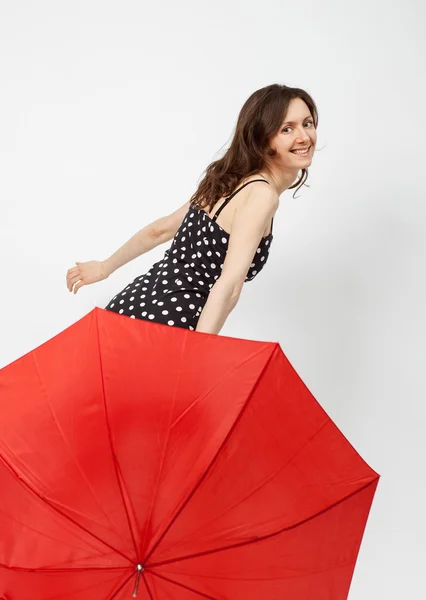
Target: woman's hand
[[85, 273]]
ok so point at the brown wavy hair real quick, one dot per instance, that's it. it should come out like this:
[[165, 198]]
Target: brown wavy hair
[[260, 118]]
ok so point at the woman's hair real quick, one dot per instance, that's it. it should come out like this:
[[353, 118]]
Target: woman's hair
[[260, 118]]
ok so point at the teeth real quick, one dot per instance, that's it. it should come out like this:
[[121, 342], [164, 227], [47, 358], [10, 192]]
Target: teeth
[[301, 151]]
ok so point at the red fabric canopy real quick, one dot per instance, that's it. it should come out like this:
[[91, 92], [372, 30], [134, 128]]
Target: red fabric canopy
[[141, 458]]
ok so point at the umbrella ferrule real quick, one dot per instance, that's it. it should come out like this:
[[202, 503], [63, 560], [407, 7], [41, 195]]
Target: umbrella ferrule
[[139, 569]]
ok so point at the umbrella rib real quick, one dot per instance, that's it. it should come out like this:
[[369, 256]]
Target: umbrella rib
[[114, 457], [186, 587], [154, 497], [147, 587], [64, 439], [263, 537], [213, 460], [254, 490], [64, 515], [60, 570], [121, 586]]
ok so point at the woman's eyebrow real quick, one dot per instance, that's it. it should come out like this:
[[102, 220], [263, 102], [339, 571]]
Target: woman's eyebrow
[[293, 122]]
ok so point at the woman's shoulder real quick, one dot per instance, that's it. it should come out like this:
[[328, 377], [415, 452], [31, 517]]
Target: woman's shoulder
[[258, 188]]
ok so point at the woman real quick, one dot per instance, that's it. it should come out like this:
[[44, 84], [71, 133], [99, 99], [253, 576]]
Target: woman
[[218, 244]]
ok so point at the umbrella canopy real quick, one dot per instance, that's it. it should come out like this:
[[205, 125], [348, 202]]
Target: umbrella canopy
[[142, 460]]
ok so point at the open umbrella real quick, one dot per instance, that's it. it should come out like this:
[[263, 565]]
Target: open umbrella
[[142, 460]]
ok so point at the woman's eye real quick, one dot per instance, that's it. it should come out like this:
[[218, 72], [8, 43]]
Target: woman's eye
[[288, 127]]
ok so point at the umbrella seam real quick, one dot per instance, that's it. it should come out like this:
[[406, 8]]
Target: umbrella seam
[[264, 537], [186, 587], [114, 457], [213, 460], [64, 515]]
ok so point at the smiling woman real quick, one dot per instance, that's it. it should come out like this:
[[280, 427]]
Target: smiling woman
[[199, 280]]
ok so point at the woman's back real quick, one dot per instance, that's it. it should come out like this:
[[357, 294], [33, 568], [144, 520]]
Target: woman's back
[[175, 289]]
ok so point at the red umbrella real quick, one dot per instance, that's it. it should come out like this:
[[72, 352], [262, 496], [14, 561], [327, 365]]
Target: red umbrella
[[138, 459]]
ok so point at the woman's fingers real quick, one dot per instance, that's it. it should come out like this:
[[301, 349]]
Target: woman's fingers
[[72, 281], [78, 286]]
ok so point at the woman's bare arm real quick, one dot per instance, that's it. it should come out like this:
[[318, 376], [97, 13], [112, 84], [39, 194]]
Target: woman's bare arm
[[156, 233], [159, 231], [249, 223]]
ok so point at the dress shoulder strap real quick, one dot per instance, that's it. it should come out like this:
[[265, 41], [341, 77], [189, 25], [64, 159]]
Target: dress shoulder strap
[[217, 213]]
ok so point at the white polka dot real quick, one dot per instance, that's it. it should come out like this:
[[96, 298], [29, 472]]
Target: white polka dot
[[132, 317], [191, 328], [173, 299], [131, 307], [144, 313], [121, 311], [112, 305], [142, 304], [165, 312], [192, 306], [213, 266], [164, 281], [132, 298], [170, 322], [151, 316], [121, 301], [224, 240], [186, 296], [178, 308], [183, 319]]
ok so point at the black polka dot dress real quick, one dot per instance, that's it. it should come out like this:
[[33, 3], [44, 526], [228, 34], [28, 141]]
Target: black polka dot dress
[[175, 289]]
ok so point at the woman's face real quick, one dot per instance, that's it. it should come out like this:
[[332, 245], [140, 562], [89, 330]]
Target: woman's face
[[297, 131]]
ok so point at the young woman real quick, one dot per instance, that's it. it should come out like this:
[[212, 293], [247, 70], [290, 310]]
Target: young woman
[[223, 234]]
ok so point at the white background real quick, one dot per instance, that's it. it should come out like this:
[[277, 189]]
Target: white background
[[110, 112]]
